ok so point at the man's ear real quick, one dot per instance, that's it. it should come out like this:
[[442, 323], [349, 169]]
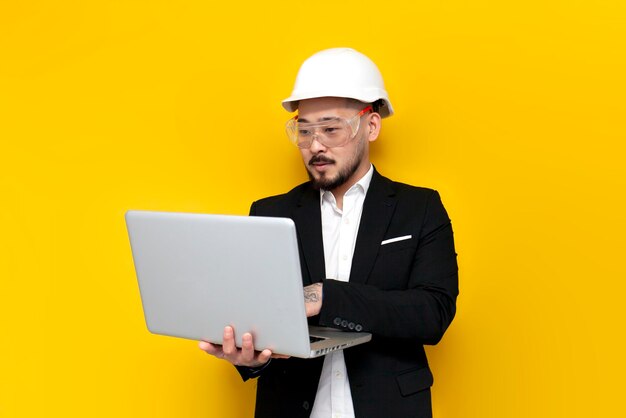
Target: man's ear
[[374, 122]]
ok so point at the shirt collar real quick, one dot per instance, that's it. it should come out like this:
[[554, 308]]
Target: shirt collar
[[363, 184], [365, 181]]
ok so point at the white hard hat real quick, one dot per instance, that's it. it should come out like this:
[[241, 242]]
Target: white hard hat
[[339, 72]]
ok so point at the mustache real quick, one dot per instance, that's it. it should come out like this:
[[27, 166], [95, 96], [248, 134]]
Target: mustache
[[321, 159]]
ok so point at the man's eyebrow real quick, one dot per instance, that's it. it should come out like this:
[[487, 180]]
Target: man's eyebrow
[[323, 119]]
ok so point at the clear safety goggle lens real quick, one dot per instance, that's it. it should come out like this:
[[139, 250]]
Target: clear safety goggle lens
[[330, 133]]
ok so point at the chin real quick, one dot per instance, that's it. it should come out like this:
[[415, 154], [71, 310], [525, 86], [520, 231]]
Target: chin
[[326, 182]]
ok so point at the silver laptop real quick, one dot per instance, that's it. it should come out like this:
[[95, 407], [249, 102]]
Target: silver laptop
[[199, 273]]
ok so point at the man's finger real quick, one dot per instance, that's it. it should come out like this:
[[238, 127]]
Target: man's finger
[[264, 356], [282, 356], [212, 349], [229, 347], [247, 348]]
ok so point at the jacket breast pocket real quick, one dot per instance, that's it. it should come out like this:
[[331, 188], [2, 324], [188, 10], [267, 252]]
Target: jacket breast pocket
[[397, 245], [393, 265], [414, 381]]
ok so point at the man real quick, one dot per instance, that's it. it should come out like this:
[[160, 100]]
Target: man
[[377, 256]]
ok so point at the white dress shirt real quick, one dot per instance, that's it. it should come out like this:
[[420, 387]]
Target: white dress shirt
[[339, 231]]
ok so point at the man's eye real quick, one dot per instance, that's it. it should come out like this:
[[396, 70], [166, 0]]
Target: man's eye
[[304, 132]]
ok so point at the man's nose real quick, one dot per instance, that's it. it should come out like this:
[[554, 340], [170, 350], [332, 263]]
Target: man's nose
[[316, 145]]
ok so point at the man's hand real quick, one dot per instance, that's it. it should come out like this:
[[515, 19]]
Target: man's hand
[[245, 356], [313, 299]]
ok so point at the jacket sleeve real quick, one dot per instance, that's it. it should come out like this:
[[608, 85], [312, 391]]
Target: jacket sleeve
[[252, 372], [420, 311]]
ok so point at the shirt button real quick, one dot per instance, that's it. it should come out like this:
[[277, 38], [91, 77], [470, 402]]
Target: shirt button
[[338, 374], [358, 328], [344, 323], [337, 321], [344, 258], [351, 325]]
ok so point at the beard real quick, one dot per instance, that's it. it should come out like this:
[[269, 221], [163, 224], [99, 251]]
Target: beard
[[326, 182]]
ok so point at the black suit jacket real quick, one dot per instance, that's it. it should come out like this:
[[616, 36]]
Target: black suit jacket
[[403, 292]]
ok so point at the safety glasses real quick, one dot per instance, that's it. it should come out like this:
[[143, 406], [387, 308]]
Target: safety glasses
[[331, 133]]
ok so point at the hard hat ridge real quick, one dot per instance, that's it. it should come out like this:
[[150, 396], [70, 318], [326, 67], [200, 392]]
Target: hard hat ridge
[[339, 72]]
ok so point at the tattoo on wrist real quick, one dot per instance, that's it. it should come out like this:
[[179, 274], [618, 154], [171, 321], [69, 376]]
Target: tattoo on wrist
[[311, 293]]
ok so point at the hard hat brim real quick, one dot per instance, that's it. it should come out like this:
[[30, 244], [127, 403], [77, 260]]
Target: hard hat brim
[[290, 104]]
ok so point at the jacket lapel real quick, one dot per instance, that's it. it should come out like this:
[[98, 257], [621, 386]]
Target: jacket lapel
[[308, 220], [378, 209]]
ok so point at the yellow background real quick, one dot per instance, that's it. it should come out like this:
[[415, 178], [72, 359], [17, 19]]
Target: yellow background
[[513, 110]]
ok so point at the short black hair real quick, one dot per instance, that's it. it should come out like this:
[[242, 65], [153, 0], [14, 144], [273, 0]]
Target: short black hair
[[377, 105]]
